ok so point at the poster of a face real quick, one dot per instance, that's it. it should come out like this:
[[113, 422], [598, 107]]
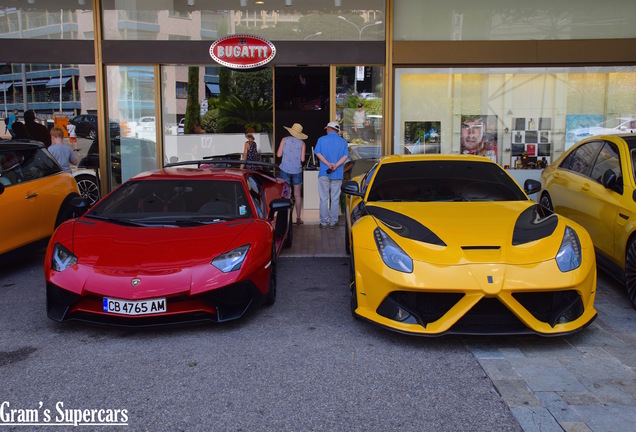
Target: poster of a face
[[479, 135]]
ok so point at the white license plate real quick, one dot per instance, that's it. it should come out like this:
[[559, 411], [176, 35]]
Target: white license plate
[[134, 307]]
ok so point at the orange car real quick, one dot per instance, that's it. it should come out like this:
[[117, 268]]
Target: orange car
[[594, 184], [35, 194]]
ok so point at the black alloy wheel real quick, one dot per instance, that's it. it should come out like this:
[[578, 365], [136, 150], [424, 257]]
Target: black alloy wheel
[[289, 240], [270, 298], [353, 294], [88, 187], [546, 202], [630, 272], [92, 134]]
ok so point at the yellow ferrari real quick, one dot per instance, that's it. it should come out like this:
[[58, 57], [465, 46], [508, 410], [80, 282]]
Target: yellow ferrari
[[451, 244], [594, 184]]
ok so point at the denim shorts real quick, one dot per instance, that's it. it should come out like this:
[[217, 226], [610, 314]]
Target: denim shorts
[[292, 179]]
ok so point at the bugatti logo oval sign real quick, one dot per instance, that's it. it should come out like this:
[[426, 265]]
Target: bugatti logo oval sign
[[242, 51]]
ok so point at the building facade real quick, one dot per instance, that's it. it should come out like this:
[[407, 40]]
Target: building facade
[[515, 82]]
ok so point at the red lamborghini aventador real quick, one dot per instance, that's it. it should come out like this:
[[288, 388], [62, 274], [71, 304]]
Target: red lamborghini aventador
[[175, 245]]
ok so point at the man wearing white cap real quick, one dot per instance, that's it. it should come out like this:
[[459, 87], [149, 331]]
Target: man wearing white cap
[[333, 152]]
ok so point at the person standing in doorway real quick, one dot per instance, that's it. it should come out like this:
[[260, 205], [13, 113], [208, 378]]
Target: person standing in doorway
[[292, 151], [62, 153], [13, 117], [250, 150], [332, 151]]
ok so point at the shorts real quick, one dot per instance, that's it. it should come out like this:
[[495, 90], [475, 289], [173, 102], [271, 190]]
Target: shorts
[[292, 179]]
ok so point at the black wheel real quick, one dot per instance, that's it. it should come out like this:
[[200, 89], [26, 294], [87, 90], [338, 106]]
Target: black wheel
[[630, 272], [546, 202], [289, 240], [353, 294], [270, 298], [66, 212], [347, 241], [92, 134], [88, 187]]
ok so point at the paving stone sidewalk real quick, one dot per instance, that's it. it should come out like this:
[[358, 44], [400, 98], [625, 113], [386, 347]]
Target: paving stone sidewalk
[[582, 382]]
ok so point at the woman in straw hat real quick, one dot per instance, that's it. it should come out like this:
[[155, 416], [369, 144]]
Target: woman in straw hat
[[292, 150]]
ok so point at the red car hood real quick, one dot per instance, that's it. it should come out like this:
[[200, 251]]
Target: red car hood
[[165, 260]]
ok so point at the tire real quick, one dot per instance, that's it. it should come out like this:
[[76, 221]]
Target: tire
[[630, 272], [353, 293], [270, 297], [546, 202], [92, 134], [289, 240], [88, 187], [66, 212], [347, 241]]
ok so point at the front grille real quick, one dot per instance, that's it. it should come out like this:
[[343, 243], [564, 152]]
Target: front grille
[[427, 307], [490, 316], [552, 307]]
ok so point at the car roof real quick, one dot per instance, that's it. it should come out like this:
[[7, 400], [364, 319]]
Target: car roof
[[432, 157], [20, 144], [190, 173]]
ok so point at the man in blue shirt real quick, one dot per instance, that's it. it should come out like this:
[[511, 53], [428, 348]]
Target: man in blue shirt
[[12, 119], [333, 152]]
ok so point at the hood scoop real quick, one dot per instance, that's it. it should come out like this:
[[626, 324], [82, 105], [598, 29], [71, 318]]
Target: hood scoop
[[404, 226], [534, 223]]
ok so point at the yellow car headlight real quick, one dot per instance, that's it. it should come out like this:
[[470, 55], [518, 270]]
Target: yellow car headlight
[[392, 254], [569, 256]]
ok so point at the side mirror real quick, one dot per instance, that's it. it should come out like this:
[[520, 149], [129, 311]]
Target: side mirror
[[80, 205], [350, 187], [277, 205], [609, 179], [531, 186]]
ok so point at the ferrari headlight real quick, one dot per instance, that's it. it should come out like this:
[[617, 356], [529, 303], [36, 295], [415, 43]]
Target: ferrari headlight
[[392, 255], [62, 258], [232, 260], [569, 255]]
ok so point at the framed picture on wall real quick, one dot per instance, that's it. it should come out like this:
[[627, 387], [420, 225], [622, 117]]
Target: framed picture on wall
[[479, 135], [422, 136]]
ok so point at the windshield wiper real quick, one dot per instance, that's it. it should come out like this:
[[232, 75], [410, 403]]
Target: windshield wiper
[[119, 221]]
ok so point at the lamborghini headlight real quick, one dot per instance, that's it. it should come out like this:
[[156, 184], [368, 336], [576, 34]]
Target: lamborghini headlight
[[392, 255], [62, 258], [569, 255], [232, 260]]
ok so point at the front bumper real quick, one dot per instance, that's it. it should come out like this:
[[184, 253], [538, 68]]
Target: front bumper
[[223, 304], [475, 298]]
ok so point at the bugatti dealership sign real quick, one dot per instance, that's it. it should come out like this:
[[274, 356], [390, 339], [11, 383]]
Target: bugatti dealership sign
[[242, 51]]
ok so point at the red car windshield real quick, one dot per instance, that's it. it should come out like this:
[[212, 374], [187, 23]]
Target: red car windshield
[[174, 201]]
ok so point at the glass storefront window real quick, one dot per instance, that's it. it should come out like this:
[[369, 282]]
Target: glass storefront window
[[519, 117], [513, 20], [219, 106], [359, 99], [26, 19], [273, 20], [131, 108]]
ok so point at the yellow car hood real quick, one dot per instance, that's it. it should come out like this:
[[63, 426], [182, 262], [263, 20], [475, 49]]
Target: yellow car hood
[[470, 232]]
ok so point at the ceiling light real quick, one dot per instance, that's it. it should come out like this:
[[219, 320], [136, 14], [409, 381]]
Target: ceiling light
[[190, 2], [288, 2], [243, 3]]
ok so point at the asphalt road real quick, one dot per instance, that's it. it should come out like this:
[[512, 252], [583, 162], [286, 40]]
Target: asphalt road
[[303, 364]]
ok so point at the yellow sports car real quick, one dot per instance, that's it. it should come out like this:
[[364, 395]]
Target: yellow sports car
[[451, 244], [593, 183]]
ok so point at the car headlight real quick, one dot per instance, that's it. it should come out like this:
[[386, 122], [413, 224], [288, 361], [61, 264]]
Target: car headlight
[[392, 255], [62, 258], [232, 260], [569, 255]]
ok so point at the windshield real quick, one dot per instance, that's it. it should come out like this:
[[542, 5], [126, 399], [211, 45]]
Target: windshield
[[178, 202], [443, 180]]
